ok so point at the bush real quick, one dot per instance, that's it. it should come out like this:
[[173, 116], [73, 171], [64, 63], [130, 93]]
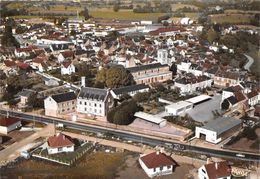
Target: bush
[[123, 114]]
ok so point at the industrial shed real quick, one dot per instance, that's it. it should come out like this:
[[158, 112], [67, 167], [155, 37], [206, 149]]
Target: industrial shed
[[151, 118], [218, 129]]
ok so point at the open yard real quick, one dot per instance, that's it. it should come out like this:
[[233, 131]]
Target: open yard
[[247, 140], [230, 18], [132, 170], [95, 165]]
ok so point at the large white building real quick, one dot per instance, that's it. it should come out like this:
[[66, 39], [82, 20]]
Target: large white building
[[93, 101], [216, 170], [157, 164], [218, 129], [59, 143]]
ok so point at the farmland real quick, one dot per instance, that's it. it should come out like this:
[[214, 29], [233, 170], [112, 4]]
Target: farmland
[[123, 15], [231, 18]]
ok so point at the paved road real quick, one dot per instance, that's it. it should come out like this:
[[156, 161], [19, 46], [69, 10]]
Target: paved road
[[249, 63], [146, 139], [13, 151]]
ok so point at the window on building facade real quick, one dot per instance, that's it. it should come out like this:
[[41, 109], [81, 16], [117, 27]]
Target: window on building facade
[[85, 103], [100, 105]]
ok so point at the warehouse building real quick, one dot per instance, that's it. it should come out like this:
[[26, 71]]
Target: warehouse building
[[218, 129]]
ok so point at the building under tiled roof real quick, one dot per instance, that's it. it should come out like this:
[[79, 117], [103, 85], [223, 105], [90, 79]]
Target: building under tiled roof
[[64, 97], [157, 159], [59, 140], [93, 93], [218, 170], [146, 67], [127, 89]]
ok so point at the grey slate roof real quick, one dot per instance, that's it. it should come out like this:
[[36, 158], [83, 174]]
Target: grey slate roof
[[127, 89], [26, 92], [64, 97], [93, 93], [222, 124], [146, 67]]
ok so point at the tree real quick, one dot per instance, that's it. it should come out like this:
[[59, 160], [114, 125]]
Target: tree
[[73, 32], [8, 39], [114, 77], [116, 7], [20, 29], [118, 76], [212, 35], [85, 13], [123, 114]]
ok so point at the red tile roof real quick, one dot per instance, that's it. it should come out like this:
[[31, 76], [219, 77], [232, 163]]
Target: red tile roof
[[9, 63], [239, 96], [66, 64], [22, 65], [67, 54], [167, 29], [4, 121], [59, 140], [252, 94], [218, 170], [154, 160]]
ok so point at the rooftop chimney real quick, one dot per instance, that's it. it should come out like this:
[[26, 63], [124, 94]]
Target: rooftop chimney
[[216, 165], [83, 81]]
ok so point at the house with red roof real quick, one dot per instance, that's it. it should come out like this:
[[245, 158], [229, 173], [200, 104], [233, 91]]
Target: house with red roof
[[66, 55], [216, 170], [8, 124], [67, 68], [60, 143], [157, 164]]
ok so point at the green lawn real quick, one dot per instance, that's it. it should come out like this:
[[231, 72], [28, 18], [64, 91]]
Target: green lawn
[[124, 15]]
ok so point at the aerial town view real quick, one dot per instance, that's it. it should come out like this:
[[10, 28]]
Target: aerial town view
[[130, 89]]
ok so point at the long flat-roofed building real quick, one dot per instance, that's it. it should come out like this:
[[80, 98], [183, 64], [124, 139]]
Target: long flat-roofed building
[[218, 129], [178, 108], [151, 118], [151, 73]]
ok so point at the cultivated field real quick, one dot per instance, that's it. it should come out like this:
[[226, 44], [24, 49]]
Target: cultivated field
[[123, 15], [230, 18]]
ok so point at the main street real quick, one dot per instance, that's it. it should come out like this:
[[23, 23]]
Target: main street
[[135, 137]]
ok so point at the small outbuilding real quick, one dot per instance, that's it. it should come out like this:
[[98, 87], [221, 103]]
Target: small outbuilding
[[218, 129]]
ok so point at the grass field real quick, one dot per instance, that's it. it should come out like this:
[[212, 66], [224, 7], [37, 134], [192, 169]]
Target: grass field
[[230, 18], [179, 6], [124, 15]]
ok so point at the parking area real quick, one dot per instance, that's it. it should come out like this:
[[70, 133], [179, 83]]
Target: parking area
[[205, 111]]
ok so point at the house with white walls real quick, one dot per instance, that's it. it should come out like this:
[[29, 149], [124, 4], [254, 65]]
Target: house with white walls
[[215, 170], [60, 143], [58, 104], [67, 68], [8, 124], [157, 164]]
